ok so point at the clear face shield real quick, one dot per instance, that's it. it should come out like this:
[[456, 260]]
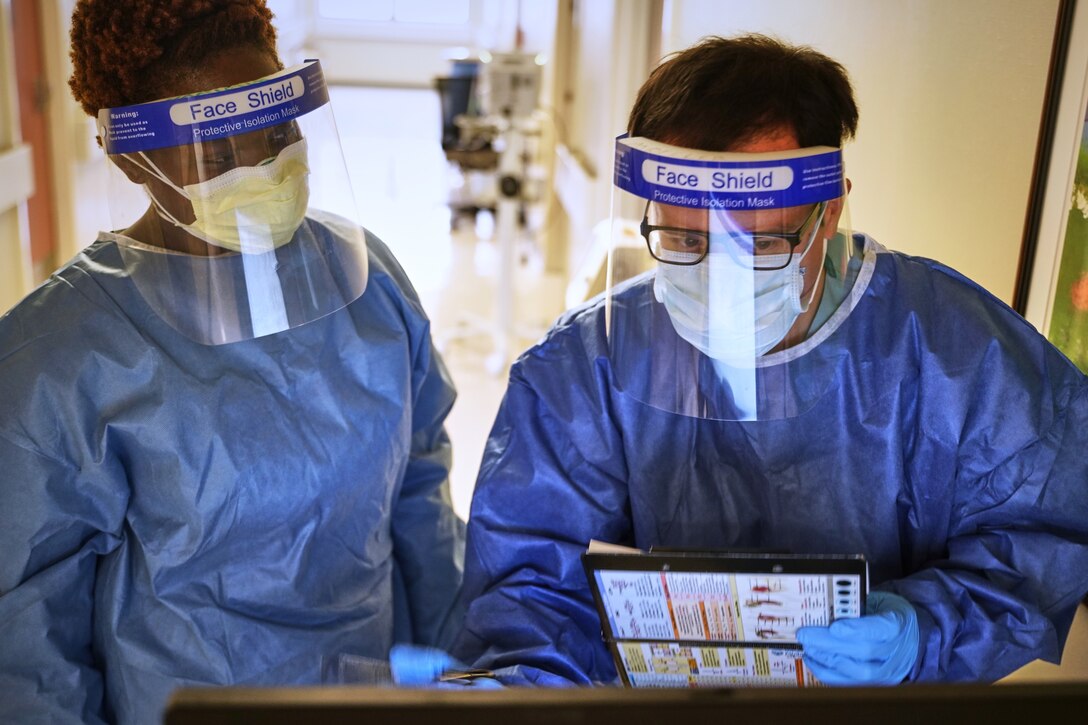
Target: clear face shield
[[230, 248], [745, 246]]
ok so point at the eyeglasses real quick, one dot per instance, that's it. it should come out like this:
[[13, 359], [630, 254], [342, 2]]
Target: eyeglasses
[[677, 245]]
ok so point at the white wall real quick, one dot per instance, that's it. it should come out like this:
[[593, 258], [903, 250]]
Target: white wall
[[950, 96], [607, 47], [294, 24], [413, 54]]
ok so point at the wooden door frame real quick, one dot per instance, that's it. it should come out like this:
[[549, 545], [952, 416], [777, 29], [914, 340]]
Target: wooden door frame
[[34, 89]]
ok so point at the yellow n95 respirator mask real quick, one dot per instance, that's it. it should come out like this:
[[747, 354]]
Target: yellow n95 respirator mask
[[247, 209]]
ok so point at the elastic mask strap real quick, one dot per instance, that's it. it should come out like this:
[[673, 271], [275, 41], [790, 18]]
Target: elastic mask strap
[[154, 171], [812, 294], [823, 254]]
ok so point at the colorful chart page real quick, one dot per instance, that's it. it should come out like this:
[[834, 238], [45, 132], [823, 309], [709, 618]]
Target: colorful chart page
[[705, 619]]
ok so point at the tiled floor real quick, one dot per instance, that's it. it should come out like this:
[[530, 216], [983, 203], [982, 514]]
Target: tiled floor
[[390, 139]]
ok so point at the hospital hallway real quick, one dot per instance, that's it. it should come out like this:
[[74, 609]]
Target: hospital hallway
[[402, 184]]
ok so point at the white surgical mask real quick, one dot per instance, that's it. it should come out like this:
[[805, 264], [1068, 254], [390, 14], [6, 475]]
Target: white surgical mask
[[728, 311], [249, 208]]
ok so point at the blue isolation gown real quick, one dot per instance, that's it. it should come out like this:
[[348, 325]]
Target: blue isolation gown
[[175, 514], [948, 445]]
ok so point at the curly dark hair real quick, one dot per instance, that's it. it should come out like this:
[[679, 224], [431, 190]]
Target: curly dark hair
[[724, 91], [128, 51]]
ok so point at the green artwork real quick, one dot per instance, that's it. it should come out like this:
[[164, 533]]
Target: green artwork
[[1069, 318]]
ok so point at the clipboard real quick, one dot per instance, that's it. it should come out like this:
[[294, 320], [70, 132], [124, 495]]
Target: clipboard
[[718, 618]]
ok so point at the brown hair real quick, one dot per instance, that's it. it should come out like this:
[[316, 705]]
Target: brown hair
[[724, 91], [128, 51]]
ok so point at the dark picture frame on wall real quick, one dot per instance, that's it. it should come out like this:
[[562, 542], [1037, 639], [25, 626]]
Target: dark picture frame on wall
[[1052, 278]]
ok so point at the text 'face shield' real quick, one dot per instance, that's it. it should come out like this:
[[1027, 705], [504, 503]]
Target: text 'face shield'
[[741, 242], [230, 248]]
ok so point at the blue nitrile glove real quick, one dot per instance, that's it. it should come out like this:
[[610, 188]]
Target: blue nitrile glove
[[877, 649], [416, 666]]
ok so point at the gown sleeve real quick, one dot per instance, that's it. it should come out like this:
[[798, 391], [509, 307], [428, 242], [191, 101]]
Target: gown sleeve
[[1016, 561], [551, 480], [428, 537], [54, 525]]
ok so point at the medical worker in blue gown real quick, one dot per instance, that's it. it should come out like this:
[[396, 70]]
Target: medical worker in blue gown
[[777, 382], [222, 453]]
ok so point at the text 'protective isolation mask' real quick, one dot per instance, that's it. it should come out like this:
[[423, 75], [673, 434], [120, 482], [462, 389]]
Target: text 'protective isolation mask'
[[249, 208]]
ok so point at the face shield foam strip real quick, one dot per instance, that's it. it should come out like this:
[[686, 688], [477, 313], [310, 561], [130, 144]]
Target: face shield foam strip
[[268, 101], [730, 181]]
